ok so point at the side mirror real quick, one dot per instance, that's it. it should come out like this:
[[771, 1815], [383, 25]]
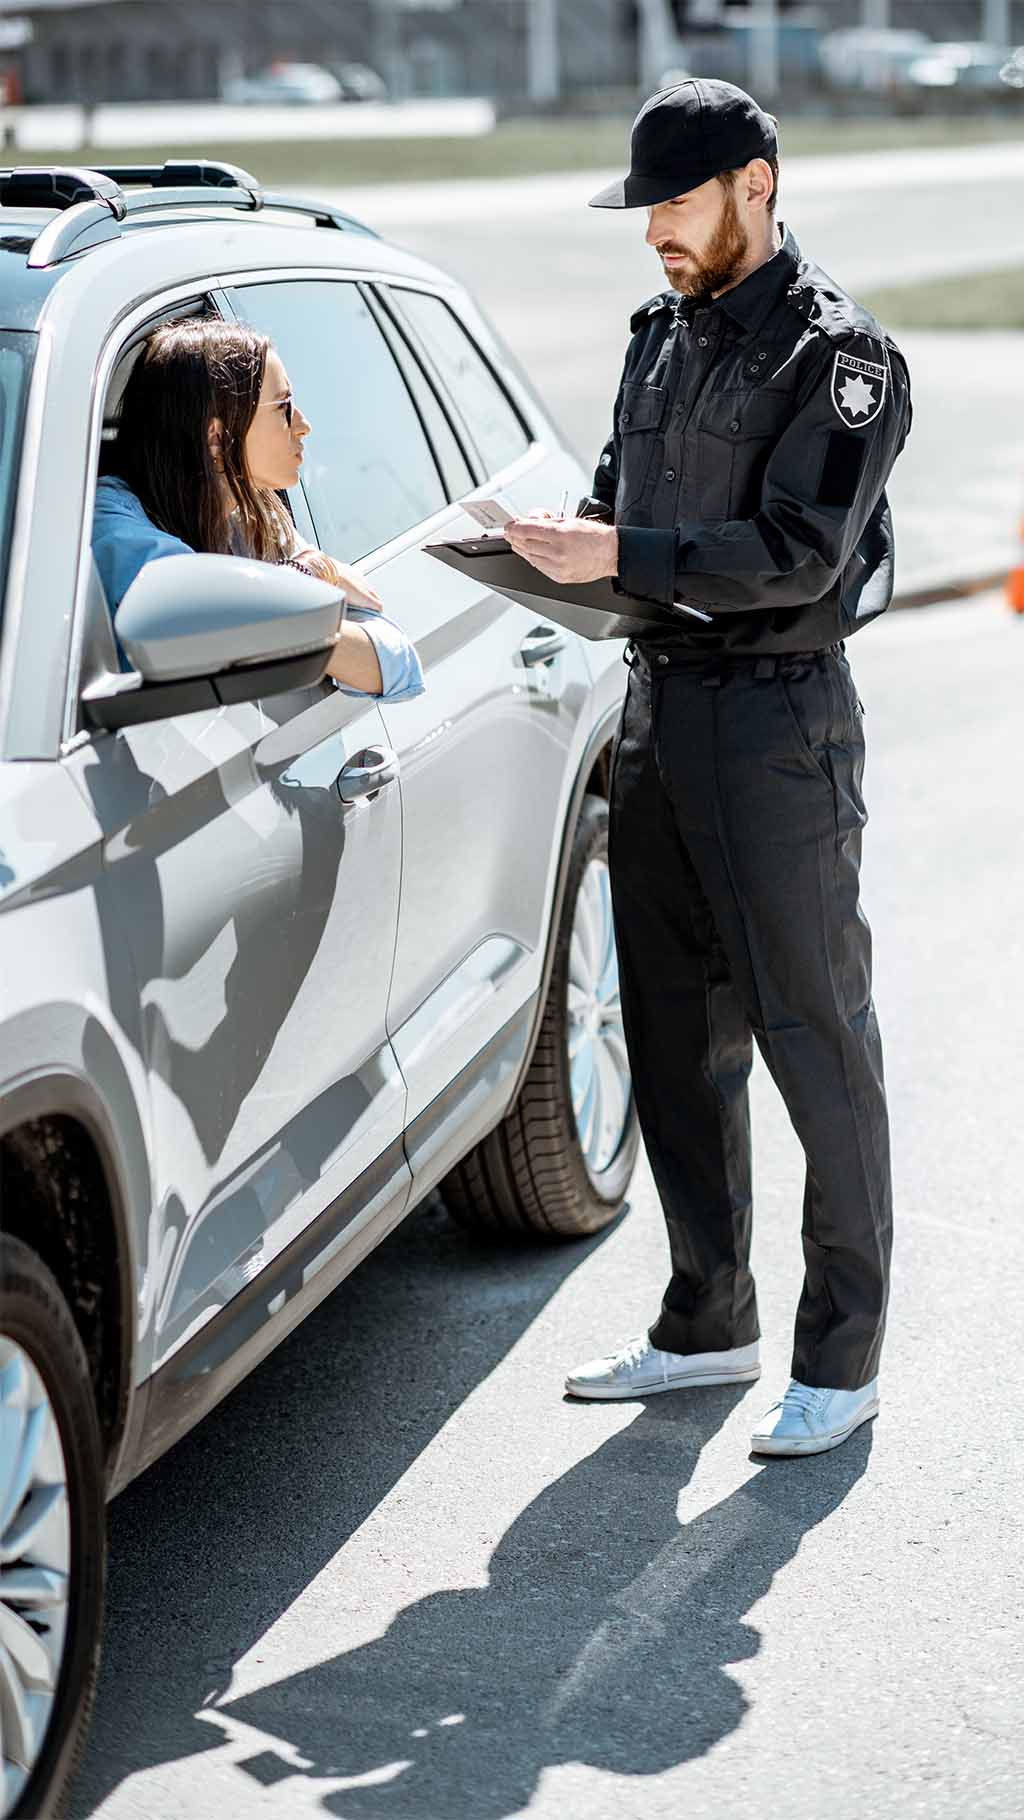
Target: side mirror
[[207, 631]]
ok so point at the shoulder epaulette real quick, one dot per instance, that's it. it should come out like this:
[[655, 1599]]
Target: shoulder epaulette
[[832, 312], [651, 308]]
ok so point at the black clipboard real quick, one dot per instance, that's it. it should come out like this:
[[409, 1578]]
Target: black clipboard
[[592, 608]]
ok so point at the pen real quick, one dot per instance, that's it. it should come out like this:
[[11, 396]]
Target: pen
[[564, 502]]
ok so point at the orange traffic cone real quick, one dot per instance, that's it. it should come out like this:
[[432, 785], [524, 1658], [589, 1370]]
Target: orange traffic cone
[[1015, 580]]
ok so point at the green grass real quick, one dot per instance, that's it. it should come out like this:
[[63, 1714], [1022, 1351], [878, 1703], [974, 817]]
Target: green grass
[[520, 148], [980, 300]]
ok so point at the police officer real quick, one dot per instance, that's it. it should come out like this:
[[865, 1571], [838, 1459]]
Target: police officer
[[760, 413]]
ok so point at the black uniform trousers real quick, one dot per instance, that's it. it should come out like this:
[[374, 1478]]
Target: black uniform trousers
[[734, 855]]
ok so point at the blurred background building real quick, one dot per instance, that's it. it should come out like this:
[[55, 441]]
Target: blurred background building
[[533, 53]]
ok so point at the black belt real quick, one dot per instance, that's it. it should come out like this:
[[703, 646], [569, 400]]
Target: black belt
[[716, 668]]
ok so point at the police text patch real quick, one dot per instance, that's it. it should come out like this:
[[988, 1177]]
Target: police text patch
[[858, 389]]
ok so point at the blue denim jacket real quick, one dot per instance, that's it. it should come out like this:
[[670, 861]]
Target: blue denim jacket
[[124, 540]]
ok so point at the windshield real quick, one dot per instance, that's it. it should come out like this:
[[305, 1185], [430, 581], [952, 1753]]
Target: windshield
[[17, 352]]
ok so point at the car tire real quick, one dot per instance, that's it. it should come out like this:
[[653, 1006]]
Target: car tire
[[532, 1174], [43, 1362]]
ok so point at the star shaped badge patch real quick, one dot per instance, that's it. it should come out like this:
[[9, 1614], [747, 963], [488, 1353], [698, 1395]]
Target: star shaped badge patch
[[858, 390]]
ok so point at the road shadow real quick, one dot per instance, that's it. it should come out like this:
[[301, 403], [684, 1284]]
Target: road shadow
[[222, 1535], [605, 1633], [604, 1637]]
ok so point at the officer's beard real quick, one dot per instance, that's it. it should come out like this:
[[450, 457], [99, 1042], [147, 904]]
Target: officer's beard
[[721, 263]]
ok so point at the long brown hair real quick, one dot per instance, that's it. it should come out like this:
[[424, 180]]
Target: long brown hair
[[189, 372]]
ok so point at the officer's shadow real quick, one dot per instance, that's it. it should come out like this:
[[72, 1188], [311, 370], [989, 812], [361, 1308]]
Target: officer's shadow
[[604, 1636]]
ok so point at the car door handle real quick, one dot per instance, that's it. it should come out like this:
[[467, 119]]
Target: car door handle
[[541, 645], [369, 771]]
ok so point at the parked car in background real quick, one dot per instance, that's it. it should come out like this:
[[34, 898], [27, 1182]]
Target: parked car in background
[[863, 58], [358, 82], [293, 84], [970, 66], [726, 48], [275, 961]]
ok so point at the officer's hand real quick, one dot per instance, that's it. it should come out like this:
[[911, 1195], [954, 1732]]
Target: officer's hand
[[566, 549]]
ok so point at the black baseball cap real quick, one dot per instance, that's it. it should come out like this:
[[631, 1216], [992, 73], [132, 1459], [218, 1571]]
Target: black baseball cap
[[686, 134]]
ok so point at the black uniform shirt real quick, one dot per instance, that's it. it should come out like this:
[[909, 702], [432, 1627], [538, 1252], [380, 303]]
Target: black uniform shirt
[[753, 439]]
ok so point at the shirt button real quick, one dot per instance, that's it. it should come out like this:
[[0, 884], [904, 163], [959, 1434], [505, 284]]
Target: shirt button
[[735, 424], [702, 341], [762, 354], [670, 473], [662, 659], [625, 416]]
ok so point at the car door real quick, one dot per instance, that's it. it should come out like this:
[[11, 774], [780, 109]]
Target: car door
[[257, 895], [486, 774], [483, 753]]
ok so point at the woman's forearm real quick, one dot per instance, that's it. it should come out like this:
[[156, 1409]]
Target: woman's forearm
[[354, 660]]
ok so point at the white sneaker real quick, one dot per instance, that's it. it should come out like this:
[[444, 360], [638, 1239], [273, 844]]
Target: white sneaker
[[640, 1369], [811, 1420]]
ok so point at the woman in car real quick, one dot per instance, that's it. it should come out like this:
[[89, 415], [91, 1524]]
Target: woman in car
[[208, 434]]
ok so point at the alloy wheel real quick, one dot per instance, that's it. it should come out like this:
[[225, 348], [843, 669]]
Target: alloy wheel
[[600, 1078], [35, 1559]]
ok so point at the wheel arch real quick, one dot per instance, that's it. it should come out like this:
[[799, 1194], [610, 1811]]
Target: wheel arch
[[64, 1182]]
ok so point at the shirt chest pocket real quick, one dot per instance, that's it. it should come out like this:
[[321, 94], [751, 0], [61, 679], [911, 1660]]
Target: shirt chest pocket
[[734, 439], [641, 416]]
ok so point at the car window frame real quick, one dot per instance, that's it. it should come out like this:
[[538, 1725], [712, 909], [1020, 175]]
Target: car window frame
[[19, 526], [28, 348], [426, 358], [128, 328], [402, 345]]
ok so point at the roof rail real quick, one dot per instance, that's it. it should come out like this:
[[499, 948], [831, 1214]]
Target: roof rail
[[83, 225], [322, 213], [93, 203]]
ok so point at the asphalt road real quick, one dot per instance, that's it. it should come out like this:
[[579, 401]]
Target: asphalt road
[[398, 1574]]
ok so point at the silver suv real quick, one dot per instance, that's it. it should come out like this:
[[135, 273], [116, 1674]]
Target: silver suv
[[275, 961]]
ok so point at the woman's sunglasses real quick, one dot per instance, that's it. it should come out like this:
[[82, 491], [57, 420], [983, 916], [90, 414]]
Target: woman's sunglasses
[[286, 404]]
